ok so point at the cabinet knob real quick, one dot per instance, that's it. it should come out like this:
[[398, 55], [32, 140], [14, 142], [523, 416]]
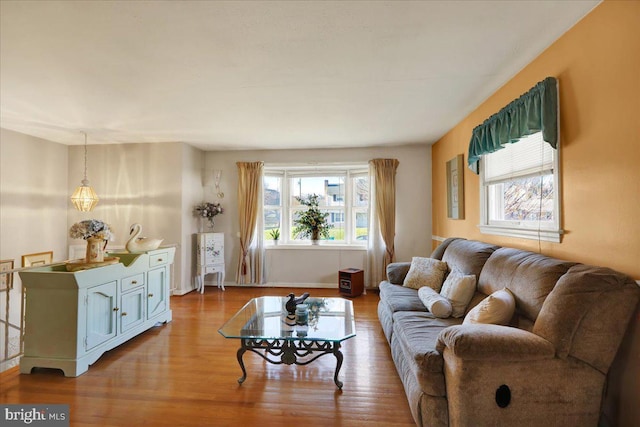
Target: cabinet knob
[[134, 282], [150, 295], [160, 259], [115, 309], [124, 313]]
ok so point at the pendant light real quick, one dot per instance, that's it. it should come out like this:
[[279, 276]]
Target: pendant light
[[84, 198]]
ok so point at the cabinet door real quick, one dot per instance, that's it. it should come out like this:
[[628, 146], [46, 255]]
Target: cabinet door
[[210, 248], [101, 314], [132, 309], [157, 291]]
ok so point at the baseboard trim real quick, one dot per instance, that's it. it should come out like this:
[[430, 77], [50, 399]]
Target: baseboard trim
[[282, 285], [181, 292]]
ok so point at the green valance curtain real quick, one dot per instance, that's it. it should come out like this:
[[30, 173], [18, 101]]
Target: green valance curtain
[[535, 111]]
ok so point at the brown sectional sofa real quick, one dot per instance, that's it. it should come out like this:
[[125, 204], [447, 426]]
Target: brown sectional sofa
[[547, 368]]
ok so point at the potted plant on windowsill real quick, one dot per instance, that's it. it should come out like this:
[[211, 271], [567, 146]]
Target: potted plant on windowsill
[[275, 235], [311, 223]]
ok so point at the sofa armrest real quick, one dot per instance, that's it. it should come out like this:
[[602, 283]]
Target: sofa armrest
[[397, 271], [494, 342]]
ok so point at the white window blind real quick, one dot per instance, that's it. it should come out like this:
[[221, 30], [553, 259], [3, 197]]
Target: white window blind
[[530, 155]]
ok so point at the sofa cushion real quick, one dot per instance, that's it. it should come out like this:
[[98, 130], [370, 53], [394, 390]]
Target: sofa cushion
[[586, 314], [496, 309], [438, 252], [529, 276], [425, 272], [386, 319], [459, 289], [416, 334], [468, 256], [397, 271], [437, 305], [399, 298]]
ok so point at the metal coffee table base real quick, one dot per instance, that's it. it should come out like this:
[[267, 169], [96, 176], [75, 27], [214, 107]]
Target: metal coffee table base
[[289, 352]]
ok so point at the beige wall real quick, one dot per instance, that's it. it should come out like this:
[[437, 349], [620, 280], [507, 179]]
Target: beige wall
[[192, 193], [597, 63], [33, 212], [33, 197], [147, 184], [413, 211]]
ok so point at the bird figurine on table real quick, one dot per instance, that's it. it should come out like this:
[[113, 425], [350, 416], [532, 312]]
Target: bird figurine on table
[[140, 244], [293, 301]]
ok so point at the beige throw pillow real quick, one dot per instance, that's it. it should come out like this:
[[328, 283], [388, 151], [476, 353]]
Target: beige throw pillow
[[425, 272], [459, 289], [438, 305], [496, 309]]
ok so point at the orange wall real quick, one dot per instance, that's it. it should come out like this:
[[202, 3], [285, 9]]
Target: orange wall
[[597, 63]]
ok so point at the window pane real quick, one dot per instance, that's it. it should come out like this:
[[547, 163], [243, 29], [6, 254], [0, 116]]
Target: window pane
[[271, 219], [272, 189], [330, 189], [524, 199], [529, 155], [362, 226], [361, 191], [336, 221]]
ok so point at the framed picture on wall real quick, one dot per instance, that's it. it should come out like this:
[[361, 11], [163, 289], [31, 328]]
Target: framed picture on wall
[[6, 279], [40, 258], [455, 187]]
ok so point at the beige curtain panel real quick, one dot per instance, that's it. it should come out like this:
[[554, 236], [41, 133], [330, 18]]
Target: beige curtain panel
[[385, 205], [249, 185]]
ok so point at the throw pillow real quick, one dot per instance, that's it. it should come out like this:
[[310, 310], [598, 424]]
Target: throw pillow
[[496, 309], [459, 289], [425, 272], [438, 305]]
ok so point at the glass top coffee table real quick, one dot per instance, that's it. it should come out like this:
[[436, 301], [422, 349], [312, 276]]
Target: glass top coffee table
[[265, 328]]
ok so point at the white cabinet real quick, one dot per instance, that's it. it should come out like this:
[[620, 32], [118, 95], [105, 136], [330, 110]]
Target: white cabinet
[[73, 318], [210, 258]]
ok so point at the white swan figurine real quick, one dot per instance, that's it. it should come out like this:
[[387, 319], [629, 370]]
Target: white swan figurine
[[141, 244]]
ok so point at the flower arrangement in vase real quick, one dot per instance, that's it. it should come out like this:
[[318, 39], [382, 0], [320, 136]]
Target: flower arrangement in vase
[[209, 211], [311, 223], [96, 233]]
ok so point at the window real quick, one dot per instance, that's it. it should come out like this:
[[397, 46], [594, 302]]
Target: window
[[344, 195], [520, 192]]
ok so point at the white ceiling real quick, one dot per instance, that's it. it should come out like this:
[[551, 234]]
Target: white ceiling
[[263, 75]]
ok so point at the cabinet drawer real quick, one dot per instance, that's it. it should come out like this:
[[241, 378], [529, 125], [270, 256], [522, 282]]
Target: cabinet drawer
[[132, 282], [213, 269], [160, 258]]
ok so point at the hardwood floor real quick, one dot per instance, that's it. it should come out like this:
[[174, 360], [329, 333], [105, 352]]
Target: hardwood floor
[[185, 374]]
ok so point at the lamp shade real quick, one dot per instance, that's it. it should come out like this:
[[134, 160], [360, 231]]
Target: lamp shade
[[84, 198]]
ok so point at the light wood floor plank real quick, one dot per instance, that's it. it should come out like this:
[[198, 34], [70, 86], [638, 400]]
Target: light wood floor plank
[[185, 374]]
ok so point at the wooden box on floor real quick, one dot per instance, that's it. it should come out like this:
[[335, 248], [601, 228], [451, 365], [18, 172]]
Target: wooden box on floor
[[351, 282]]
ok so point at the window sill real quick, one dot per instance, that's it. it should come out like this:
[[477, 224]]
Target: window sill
[[319, 247], [523, 233]]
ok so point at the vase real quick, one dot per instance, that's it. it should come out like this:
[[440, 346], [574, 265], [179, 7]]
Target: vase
[[315, 237], [95, 249]]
